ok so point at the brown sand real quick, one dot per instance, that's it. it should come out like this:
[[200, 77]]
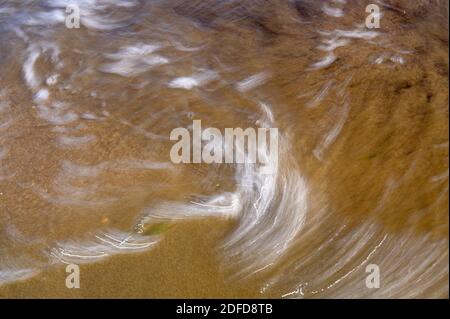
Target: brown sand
[[375, 180], [183, 265]]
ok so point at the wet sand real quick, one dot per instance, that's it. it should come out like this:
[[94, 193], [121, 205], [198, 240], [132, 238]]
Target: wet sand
[[183, 265], [362, 175]]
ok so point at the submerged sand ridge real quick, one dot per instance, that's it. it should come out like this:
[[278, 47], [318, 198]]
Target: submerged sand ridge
[[86, 175]]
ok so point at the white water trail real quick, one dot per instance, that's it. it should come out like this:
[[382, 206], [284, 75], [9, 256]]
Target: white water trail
[[270, 207]]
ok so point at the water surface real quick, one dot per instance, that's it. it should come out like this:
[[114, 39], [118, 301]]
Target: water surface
[[85, 169]]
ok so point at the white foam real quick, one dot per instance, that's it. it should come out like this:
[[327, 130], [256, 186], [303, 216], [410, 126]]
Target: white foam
[[101, 246], [45, 18], [270, 207], [16, 274], [333, 12], [252, 82], [184, 83], [331, 136], [41, 96], [323, 92], [21, 34], [28, 69], [141, 164], [69, 199], [357, 34], [325, 62], [181, 47], [440, 177], [70, 169], [134, 60], [332, 44], [56, 116], [73, 170], [190, 82], [410, 265], [135, 51], [379, 60], [92, 117], [74, 141], [34, 51], [397, 59], [52, 80], [6, 10]]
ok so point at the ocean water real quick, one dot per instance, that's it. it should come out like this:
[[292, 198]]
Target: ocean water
[[361, 176]]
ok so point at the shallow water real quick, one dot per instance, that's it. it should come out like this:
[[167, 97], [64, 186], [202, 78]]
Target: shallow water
[[362, 173]]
